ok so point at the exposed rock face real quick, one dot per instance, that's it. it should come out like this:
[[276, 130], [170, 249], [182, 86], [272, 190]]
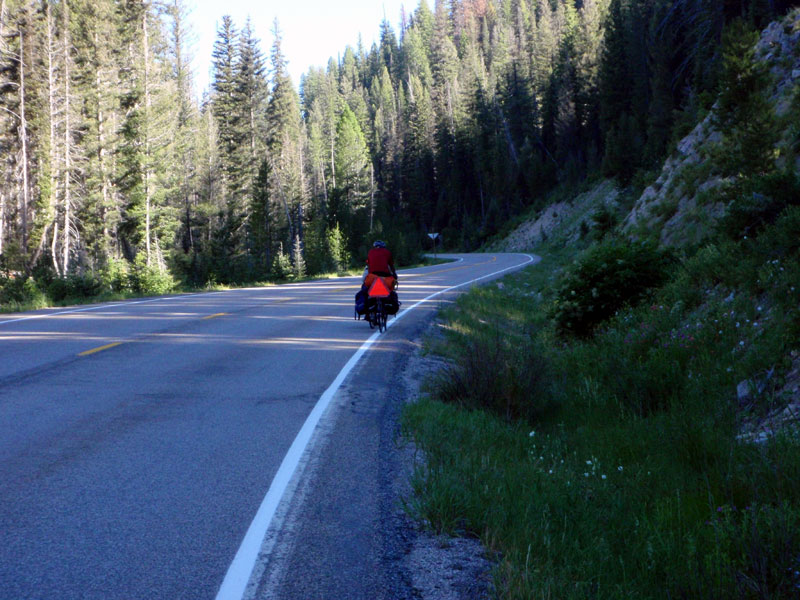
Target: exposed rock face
[[565, 217], [783, 419], [673, 204]]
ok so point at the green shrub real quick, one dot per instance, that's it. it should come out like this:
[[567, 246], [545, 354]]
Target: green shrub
[[754, 203], [116, 275], [21, 291], [12, 290], [750, 552], [150, 279], [281, 266], [337, 249], [58, 289], [495, 374], [74, 286], [604, 221], [604, 279]]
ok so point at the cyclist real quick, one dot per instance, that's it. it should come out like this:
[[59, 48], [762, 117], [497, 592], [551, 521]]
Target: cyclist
[[380, 263]]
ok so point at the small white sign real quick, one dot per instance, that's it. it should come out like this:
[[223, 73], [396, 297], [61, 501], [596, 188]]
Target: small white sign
[[433, 236]]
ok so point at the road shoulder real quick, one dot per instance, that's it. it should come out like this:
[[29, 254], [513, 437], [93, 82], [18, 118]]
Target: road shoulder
[[347, 533], [441, 567]]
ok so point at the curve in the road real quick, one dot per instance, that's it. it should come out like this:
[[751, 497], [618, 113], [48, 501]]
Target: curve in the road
[[234, 586]]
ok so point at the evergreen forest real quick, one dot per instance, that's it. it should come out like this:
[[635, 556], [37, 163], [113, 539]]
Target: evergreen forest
[[463, 115]]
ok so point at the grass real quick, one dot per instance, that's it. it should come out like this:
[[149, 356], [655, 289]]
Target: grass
[[618, 474]]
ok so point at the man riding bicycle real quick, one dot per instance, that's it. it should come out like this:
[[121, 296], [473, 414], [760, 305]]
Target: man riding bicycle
[[380, 263]]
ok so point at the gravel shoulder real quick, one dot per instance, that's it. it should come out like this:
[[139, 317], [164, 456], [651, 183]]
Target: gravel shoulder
[[441, 567]]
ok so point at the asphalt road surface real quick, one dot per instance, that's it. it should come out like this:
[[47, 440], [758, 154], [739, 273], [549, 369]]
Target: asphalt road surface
[[227, 444]]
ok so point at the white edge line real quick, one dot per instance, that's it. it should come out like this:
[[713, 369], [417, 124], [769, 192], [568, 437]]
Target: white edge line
[[236, 579]]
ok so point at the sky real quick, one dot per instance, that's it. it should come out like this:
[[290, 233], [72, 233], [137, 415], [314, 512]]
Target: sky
[[313, 30]]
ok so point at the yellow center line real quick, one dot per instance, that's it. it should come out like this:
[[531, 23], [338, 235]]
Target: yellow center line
[[214, 316], [486, 262], [100, 349]]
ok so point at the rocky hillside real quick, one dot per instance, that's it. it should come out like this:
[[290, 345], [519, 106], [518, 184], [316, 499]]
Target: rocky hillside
[[677, 207], [566, 220], [674, 203]]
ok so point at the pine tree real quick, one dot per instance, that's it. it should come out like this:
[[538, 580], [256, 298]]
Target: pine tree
[[284, 143], [337, 248], [388, 48], [97, 77], [351, 194], [298, 261], [185, 183], [251, 93], [743, 113], [259, 219], [225, 107], [130, 151]]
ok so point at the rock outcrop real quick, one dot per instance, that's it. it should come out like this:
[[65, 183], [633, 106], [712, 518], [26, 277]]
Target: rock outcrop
[[674, 203]]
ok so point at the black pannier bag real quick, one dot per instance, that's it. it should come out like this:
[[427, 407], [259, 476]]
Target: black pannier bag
[[392, 304], [361, 301]]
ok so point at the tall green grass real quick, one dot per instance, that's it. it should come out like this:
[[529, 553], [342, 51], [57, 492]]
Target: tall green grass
[[618, 473]]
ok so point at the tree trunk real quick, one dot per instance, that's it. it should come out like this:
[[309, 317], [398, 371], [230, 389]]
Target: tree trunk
[[2, 193], [371, 195], [333, 166], [53, 157], [23, 133], [324, 187], [101, 151], [54, 248], [2, 219], [252, 132], [67, 145], [147, 149], [300, 207], [282, 194], [116, 238]]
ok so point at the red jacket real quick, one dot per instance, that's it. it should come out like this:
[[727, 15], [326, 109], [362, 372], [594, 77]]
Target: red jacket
[[379, 260]]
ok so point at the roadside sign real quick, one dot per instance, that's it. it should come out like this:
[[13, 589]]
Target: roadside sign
[[434, 237]]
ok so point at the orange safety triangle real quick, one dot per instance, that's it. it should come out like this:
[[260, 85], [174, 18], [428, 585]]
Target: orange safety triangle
[[378, 289]]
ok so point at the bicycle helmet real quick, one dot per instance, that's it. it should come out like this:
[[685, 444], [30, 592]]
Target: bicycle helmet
[[379, 244]]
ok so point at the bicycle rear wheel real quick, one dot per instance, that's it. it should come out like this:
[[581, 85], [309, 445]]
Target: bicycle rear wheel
[[381, 312]]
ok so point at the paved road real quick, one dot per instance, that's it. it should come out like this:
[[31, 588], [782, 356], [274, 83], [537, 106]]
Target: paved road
[[138, 439]]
